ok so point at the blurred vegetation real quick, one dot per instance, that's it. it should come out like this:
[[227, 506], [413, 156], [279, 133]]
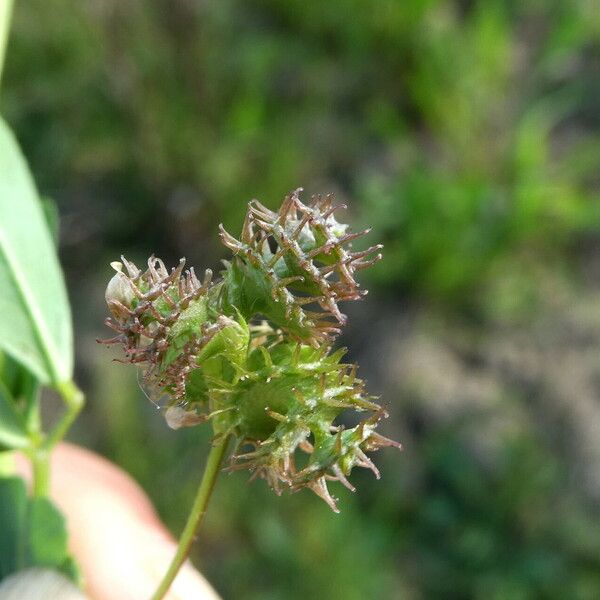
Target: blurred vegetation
[[467, 134]]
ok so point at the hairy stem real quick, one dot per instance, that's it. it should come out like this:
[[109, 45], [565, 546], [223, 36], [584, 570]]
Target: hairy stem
[[5, 17], [197, 512]]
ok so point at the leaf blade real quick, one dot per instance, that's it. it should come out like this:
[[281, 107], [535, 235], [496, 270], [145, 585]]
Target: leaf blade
[[46, 540], [33, 532], [13, 513], [35, 320]]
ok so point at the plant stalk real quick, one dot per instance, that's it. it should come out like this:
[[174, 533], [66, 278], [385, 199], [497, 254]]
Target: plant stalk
[[73, 398], [197, 512], [41, 449], [6, 7], [40, 464]]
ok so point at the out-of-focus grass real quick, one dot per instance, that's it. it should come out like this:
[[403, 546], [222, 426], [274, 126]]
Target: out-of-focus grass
[[467, 135], [494, 175]]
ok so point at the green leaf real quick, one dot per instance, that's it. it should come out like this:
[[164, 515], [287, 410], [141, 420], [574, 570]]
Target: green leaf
[[33, 532], [13, 433], [35, 320], [46, 543], [52, 218], [13, 512]]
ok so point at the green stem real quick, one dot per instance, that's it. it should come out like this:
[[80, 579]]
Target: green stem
[[5, 17], [209, 477], [73, 398], [42, 446], [40, 463]]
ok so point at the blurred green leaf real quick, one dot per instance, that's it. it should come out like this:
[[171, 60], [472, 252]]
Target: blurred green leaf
[[46, 536], [35, 320], [34, 532], [13, 510], [52, 218], [13, 433]]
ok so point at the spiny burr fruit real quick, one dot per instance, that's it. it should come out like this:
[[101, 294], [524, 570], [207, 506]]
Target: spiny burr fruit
[[252, 352]]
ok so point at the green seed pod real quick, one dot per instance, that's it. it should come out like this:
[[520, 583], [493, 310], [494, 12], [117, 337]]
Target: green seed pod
[[298, 257], [247, 354], [284, 416]]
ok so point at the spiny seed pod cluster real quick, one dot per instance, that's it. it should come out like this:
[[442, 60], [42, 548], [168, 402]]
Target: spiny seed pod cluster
[[252, 352], [288, 261]]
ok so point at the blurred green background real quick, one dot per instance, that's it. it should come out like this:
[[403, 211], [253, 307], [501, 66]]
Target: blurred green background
[[467, 134]]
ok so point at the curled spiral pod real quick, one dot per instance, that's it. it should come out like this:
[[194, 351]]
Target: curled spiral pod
[[248, 352]]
